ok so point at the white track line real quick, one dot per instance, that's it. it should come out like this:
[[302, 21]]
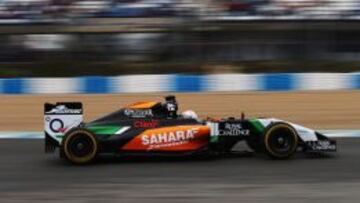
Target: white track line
[[40, 135], [22, 135], [341, 133]]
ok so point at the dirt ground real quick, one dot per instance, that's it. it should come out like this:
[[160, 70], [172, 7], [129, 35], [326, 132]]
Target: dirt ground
[[319, 110]]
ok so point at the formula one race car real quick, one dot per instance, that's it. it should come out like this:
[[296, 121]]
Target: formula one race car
[[155, 128]]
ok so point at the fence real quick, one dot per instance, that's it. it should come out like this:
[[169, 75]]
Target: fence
[[182, 83]]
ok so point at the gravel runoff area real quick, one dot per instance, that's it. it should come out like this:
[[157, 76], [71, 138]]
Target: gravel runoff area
[[319, 110]]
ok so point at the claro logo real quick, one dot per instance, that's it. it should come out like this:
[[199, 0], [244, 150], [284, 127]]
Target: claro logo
[[169, 137], [146, 124]]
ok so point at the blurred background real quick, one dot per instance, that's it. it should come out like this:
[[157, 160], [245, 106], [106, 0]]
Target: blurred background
[[114, 37]]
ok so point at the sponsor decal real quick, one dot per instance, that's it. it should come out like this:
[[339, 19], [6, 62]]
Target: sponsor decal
[[322, 145], [146, 124], [171, 107], [171, 138], [179, 138], [56, 125], [233, 129], [138, 113], [62, 109]]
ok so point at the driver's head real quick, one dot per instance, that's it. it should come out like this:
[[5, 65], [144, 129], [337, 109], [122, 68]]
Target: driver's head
[[189, 114]]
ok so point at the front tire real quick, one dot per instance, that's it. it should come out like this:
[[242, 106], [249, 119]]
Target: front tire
[[80, 146], [280, 141]]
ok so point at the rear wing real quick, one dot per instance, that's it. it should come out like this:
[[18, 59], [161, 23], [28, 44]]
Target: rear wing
[[58, 119]]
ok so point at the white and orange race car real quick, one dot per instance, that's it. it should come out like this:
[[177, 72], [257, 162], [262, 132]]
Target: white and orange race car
[[155, 128]]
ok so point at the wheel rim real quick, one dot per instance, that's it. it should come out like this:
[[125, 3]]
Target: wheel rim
[[81, 145], [281, 141]]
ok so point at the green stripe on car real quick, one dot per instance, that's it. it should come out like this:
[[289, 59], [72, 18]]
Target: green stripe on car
[[104, 129], [257, 125]]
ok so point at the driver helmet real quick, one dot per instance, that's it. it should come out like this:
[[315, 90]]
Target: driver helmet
[[189, 114]]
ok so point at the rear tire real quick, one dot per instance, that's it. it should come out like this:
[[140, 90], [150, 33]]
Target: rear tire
[[80, 146], [280, 141]]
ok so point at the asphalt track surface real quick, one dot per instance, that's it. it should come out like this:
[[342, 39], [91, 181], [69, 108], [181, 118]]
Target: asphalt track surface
[[29, 175]]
